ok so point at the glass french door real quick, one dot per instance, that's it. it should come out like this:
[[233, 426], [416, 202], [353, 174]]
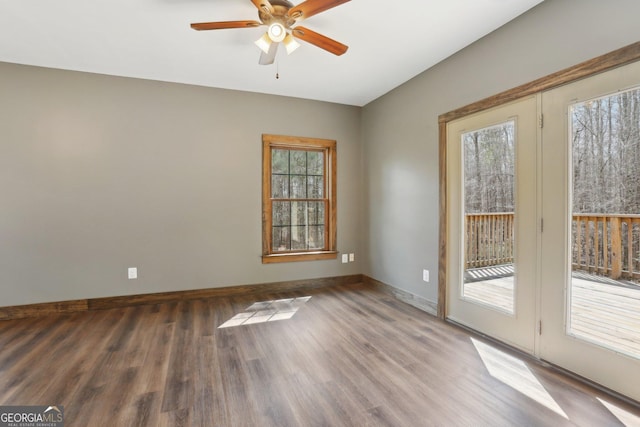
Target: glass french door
[[590, 257], [543, 226], [491, 180]]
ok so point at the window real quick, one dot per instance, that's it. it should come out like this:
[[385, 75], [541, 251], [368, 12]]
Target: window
[[298, 199]]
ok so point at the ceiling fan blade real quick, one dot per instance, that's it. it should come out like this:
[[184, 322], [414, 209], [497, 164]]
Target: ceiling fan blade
[[323, 42], [264, 6], [268, 58], [312, 7], [224, 25]]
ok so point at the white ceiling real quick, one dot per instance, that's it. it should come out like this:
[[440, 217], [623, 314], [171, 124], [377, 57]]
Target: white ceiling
[[389, 42]]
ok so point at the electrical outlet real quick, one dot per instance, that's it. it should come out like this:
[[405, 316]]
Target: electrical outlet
[[425, 275], [352, 257], [345, 258], [132, 273]]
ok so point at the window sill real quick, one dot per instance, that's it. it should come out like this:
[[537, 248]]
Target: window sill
[[299, 256]]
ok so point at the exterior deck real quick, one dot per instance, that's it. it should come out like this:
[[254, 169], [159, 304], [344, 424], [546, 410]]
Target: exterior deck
[[604, 311]]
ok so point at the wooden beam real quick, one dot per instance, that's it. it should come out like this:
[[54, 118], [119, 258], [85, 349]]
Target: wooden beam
[[617, 58]]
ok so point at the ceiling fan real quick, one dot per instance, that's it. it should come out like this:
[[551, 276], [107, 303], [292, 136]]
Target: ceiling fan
[[280, 17]]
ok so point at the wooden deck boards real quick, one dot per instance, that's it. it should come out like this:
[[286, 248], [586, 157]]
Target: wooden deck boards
[[497, 292], [604, 313]]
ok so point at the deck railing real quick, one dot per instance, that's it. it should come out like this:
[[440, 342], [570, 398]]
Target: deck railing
[[489, 238], [607, 245]]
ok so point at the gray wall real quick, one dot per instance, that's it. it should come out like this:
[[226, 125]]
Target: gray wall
[[401, 135], [100, 173]]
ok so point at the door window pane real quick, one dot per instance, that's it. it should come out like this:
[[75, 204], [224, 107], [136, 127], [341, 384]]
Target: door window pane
[[489, 200], [604, 306]]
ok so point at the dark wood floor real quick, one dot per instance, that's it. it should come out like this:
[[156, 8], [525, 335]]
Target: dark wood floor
[[351, 356]]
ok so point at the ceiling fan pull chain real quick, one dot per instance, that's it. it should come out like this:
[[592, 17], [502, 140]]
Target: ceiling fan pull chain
[[277, 70]]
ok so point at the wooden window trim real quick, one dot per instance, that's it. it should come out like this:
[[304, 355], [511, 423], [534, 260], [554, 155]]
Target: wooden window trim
[[609, 61], [293, 142]]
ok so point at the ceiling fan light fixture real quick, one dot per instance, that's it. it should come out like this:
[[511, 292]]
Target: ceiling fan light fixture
[[290, 44], [276, 32], [280, 17], [264, 43]]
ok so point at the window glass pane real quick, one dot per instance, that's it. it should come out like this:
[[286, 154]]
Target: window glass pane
[[299, 212], [316, 213], [316, 237], [315, 160], [299, 238], [281, 213], [298, 187], [605, 145], [315, 187], [298, 161], [280, 186], [281, 238], [489, 199], [489, 169], [280, 161]]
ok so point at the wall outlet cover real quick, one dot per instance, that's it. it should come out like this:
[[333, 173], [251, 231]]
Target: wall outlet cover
[[425, 275]]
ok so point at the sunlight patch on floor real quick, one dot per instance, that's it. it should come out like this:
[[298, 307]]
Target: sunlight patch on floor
[[625, 417], [267, 311], [515, 373]]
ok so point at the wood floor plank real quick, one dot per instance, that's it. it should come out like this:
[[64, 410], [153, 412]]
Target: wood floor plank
[[144, 410], [350, 356]]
